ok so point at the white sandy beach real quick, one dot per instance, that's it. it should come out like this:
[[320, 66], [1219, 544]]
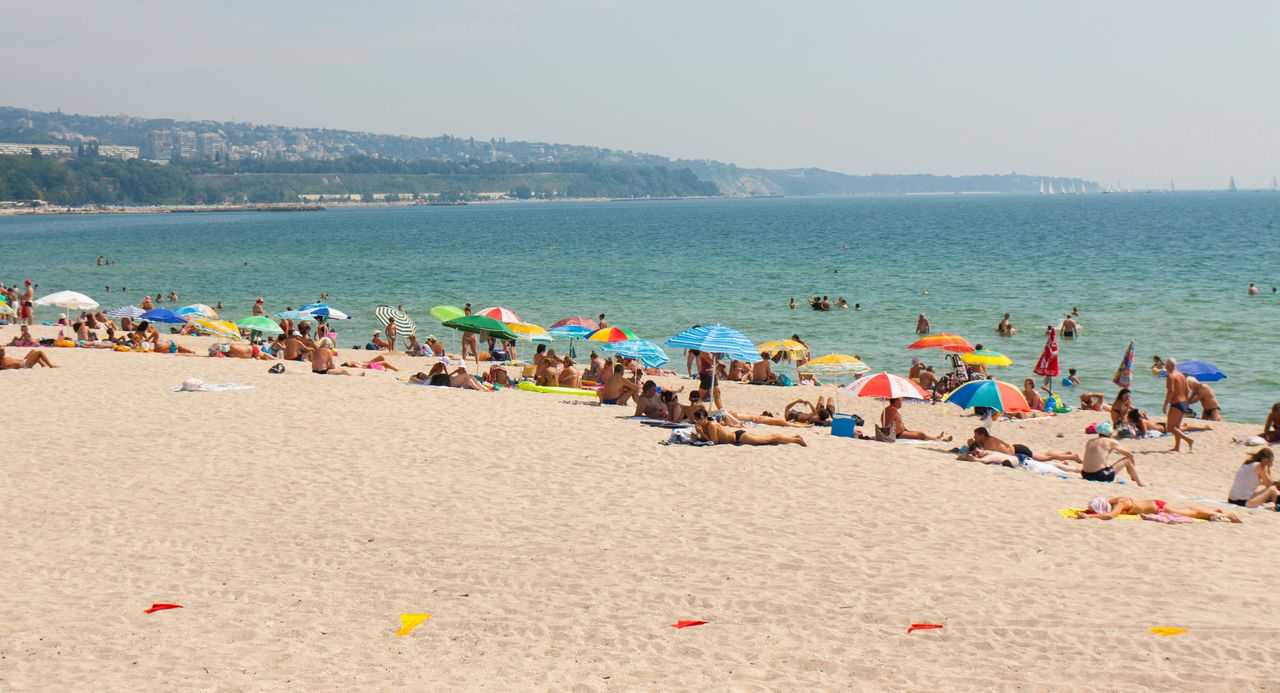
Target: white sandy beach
[[555, 544]]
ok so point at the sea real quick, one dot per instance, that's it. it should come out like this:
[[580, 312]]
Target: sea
[[1169, 271]]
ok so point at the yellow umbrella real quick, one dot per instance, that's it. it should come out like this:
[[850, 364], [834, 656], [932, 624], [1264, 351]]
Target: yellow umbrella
[[5, 309], [834, 363], [986, 357], [790, 347], [218, 328], [533, 333]]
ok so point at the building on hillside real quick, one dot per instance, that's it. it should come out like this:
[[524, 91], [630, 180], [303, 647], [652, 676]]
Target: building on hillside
[[211, 144], [158, 146], [115, 151], [25, 123], [184, 144], [11, 148]]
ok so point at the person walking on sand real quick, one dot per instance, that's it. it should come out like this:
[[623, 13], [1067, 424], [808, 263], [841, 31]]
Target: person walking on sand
[[922, 324], [1096, 452], [1176, 404]]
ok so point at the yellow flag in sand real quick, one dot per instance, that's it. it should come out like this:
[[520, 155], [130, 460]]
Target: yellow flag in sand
[[1166, 631], [410, 621]]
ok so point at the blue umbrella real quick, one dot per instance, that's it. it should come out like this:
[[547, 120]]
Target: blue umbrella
[[715, 339], [650, 354], [295, 315], [162, 315], [325, 310], [570, 331], [1203, 371]]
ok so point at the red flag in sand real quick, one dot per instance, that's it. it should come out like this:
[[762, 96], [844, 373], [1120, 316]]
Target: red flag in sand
[[1048, 363], [686, 624], [923, 626], [161, 607]]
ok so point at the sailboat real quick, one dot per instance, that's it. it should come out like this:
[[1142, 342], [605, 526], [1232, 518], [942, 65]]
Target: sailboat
[[1275, 186], [1169, 187], [1042, 192], [1231, 184], [1051, 190]]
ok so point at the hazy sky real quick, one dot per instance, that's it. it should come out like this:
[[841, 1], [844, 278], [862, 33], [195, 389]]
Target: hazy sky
[[1119, 91]]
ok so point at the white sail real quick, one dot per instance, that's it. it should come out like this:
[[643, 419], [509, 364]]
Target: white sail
[[1231, 184], [1042, 187], [1275, 185], [1051, 190]]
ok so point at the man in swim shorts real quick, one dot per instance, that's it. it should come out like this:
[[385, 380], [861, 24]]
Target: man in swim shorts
[[617, 388], [982, 439], [1176, 404], [1096, 452], [1202, 393]]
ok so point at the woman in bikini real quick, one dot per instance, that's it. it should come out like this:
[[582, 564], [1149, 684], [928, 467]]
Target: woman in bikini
[[1111, 508], [718, 434], [819, 413]]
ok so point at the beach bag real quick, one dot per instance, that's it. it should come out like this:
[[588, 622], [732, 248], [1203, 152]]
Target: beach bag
[[784, 381], [886, 434], [278, 368]]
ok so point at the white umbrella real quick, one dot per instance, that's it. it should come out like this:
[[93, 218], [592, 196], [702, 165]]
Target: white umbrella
[[70, 300]]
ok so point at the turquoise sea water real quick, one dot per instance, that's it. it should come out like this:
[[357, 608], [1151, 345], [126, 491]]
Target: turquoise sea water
[[1167, 270]]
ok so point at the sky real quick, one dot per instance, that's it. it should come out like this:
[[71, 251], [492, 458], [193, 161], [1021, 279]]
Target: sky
[[1131, 92]]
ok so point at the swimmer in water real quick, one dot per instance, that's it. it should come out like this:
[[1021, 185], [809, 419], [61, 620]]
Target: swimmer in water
[[1253, 290], [922, 324]]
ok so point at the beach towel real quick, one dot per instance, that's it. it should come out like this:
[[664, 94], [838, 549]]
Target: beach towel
[[1075, 513], [197, 385], [686, 436], [1170, 519]]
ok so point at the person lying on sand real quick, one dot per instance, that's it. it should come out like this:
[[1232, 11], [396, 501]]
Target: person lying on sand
[[1111, 508], [618, 389], [1096, 452], [718, 434], [891, 419], [239, 351], [765, 419], [1254, 485], [818, 413], [34, 358], [376, 363], [1020, 461], [459, 378], [1093, 401], [983, 440]]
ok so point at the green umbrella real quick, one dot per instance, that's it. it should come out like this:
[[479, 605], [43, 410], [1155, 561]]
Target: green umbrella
[[482, 325], [446, 313], [257, 323]]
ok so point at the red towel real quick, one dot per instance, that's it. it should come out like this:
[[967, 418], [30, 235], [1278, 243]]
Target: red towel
[[923, 626], [161, 607], [686, 624]]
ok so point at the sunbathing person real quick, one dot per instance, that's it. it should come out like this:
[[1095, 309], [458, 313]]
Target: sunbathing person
[[570, 374], [767, 419], [762, 372], [1096, 452], [1202, 394], [411, 345], [1093, 401], [718, 434], [24, 338], [498, 375], [1254, 485], [239, 351], [983, 440], [1109, 509], [1020, 461], [618, 389], [438, 377], [891, 420], [437, 346], [648, 403], [818, 414], [322, 360], [34, 358], [376, 363], [739, 371]]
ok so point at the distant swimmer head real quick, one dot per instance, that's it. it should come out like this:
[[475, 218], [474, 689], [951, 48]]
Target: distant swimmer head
[[1104, 429], [1099, 506]]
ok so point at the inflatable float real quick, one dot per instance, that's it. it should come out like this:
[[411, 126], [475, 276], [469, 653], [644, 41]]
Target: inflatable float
[[530, 387]]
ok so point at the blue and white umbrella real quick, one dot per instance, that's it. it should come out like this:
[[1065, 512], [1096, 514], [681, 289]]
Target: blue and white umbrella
[[715, 339], [324, 310], [570, 331], [124, 312], [650, 354]]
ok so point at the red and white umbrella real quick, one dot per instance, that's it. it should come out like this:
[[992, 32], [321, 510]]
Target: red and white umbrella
[[886, 385], [1048, 363], [501, 314]]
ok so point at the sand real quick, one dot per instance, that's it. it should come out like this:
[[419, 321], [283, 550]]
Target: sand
[[555, 544]]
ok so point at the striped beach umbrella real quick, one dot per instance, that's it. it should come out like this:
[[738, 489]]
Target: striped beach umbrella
[[650, 354], [834, 364], [5, 309], [992, 394], [790, 347], [324, 310], [610, 334], [124, 312], [198, 310], [986, 357], [886, 385], [571, 331], [532, 333], [1124, 374], [217, 328], [500, 314], [715, 339], [387, 314], [947, 342], [577, 321]]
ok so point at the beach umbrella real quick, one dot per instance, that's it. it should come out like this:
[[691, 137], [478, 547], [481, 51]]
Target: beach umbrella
[[258, 323], [446, 313], [650, 354], [834, 364], [124, 312], [947, 342], [162, 315], [992, 394], [198, 309], [295, 315], [886, 385], [1124, 374], [571, 331], [387, 314], [529, 332], [5, 309], [986, 357], [577, 321], [789, 347], [500, 314], [217, 328], [70, 300], [715, 339], [483, 326], [1048, 363], [324, 310], [1203, 371], [613, 334]]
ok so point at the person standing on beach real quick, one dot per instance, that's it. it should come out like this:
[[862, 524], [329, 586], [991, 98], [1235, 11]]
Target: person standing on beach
[[922, 324], [1175, 403], [391, 335], [706, 378], [470, 343]]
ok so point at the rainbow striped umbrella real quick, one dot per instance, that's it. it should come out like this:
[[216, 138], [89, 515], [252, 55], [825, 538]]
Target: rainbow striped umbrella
[[1124, 374], [610, 334], [500, 314], [992, 394], [217, 328], [947, 342]]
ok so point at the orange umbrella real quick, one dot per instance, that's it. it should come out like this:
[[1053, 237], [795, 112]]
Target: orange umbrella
[[947, 342]]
